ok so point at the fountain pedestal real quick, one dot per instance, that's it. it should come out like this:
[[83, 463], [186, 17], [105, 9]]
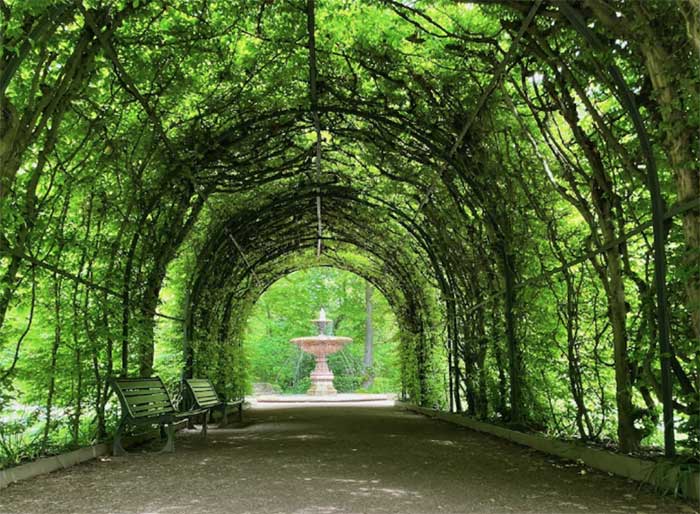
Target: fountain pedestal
[[321, 346], [321, 378]]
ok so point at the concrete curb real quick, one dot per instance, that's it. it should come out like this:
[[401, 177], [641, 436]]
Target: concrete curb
[[49, 464], [66, 460], [667, 477]]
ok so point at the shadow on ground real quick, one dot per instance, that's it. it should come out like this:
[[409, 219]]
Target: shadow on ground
[[334, 459]]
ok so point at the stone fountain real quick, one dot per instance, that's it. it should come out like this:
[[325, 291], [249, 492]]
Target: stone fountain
[[321, 346]]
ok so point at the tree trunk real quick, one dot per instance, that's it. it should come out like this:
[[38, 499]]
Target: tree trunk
[[454, 352], [672, 77], [482, 348], [514, 354], [126, 299], [681, 139], [54, 355], [77, 397], [368, 361], [570, 315]]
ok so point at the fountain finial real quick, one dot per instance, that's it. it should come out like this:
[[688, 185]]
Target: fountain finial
[[322, 322]]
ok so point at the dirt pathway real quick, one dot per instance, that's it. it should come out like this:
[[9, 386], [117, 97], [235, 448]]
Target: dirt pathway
[[334, 460]]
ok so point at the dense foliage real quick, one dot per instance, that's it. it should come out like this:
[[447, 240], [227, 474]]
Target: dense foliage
[[487, 166]]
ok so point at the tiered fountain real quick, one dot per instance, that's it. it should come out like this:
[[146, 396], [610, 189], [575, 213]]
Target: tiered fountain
[[321, 346]]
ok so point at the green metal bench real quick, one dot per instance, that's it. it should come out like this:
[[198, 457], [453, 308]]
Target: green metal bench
[[200, 394], [146, 401]]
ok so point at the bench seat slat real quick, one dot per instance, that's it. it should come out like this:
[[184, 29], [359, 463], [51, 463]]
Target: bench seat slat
[[208, 398], [148, 398], [152, 413], [142, 390], [153, 409], [202, 390], [205, 397], [149, 392], [155, 401], [164, 406], [125, 383], [207, 391]]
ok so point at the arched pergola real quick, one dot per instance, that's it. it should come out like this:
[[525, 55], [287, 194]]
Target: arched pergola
[[519, 179]]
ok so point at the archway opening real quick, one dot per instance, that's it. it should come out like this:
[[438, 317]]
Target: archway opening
[[369, 364]]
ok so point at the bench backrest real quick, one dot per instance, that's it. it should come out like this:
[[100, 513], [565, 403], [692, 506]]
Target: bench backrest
[[143, 397], [202, 392]]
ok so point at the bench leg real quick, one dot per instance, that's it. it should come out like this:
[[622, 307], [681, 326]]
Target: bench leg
[[205, 424], [170, 443], [240, 412], [117, 448], [224, 417]]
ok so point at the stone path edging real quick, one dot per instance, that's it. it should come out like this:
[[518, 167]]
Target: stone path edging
[[665, 476], [66, 460], [49, 464]]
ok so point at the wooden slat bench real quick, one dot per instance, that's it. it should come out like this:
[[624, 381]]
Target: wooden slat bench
[[146, 401], [201, 394]]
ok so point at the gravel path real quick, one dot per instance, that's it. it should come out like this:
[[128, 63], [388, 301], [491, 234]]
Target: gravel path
[[334, 459]]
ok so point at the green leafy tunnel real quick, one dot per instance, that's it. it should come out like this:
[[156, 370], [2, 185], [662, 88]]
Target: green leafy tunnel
[[518, 179]]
